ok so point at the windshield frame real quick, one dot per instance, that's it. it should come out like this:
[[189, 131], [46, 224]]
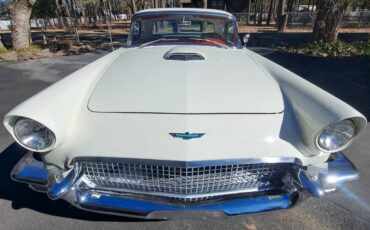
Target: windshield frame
[[185, 13]]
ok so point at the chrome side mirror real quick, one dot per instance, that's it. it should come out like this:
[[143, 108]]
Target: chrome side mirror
[[246, 39]]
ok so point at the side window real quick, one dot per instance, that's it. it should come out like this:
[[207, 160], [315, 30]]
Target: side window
[[136, 28], [209, 27], [135, 33], [220, 29], [230, 33]]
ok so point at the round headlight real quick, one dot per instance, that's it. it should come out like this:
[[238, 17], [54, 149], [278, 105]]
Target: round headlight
[[337, 136], [33, 135]]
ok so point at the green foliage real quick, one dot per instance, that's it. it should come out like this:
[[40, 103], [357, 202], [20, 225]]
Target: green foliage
[[44, 9], [336, 48]]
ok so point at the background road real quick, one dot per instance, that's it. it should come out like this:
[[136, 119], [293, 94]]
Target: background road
[[346, 78]]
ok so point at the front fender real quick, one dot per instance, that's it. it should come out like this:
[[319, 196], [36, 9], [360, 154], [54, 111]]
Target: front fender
[[313, 107]]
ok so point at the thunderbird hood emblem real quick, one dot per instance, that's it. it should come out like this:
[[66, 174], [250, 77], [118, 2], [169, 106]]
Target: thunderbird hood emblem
[[187, 135]]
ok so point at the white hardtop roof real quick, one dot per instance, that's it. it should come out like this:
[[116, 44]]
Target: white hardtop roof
[[187, 10]]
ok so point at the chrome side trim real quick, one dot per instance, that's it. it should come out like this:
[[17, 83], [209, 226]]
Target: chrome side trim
[[261, 160]]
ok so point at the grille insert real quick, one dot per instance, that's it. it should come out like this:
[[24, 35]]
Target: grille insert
[[183, 183]]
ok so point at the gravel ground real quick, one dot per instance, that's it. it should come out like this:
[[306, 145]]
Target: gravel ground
[[21, 208]]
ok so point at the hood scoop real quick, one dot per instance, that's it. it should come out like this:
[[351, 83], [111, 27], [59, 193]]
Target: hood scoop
[[184, 53]]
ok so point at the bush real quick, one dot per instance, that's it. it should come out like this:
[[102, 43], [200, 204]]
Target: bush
[[337, 48]]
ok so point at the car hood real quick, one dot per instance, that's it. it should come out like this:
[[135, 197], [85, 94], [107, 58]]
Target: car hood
[[145, 80]]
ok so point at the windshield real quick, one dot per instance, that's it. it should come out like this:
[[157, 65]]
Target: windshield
[[183, 29]]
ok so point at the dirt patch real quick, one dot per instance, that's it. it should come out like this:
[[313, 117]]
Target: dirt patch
[[9, 56]]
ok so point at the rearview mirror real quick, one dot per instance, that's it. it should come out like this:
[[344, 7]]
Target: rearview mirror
[[246, 38]]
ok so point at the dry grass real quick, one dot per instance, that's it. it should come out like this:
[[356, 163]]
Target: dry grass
[[34, 51], [33, 48], [3, 50]]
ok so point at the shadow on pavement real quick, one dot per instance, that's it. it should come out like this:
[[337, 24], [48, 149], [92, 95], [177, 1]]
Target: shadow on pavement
[[23, 197]]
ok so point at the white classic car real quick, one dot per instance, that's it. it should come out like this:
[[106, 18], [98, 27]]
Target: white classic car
[[183, 122]]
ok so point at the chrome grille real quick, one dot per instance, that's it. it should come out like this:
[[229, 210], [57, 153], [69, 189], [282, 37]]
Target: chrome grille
[[184, 183]]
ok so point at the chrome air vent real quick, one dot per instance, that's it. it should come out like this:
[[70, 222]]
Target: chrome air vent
[[184, 53], [184, 57]]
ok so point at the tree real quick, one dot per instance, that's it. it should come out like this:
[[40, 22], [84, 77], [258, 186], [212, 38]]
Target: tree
[[328, 18], [133, 4], [261, 10], [45, 9], [249, 12], [280, 16], [20, 12], [256, 4], [271, 10]]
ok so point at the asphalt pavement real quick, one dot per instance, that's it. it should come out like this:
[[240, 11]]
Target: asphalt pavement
[[346, 78]]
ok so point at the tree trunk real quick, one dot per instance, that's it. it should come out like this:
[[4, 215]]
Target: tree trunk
[[75, 21], [297, 5], [249, 12], [67, 12], [59, 14], [328, 18], [271, 9], [260, 18], [280, 18], [43, 35], [20, 12], [133, 3], [362, 8], [255, 11]]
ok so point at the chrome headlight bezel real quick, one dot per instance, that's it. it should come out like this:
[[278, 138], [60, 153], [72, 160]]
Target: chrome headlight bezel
[[341, 147], [43, 138]]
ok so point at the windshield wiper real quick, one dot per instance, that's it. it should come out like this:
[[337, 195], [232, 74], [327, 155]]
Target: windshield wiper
[[157, 40], [208, 40]]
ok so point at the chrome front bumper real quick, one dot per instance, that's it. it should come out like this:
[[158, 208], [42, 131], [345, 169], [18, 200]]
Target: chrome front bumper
[[72, 187]]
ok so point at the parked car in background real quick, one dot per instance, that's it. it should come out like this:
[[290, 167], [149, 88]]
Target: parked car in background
[[122, 16], [184, 121]]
